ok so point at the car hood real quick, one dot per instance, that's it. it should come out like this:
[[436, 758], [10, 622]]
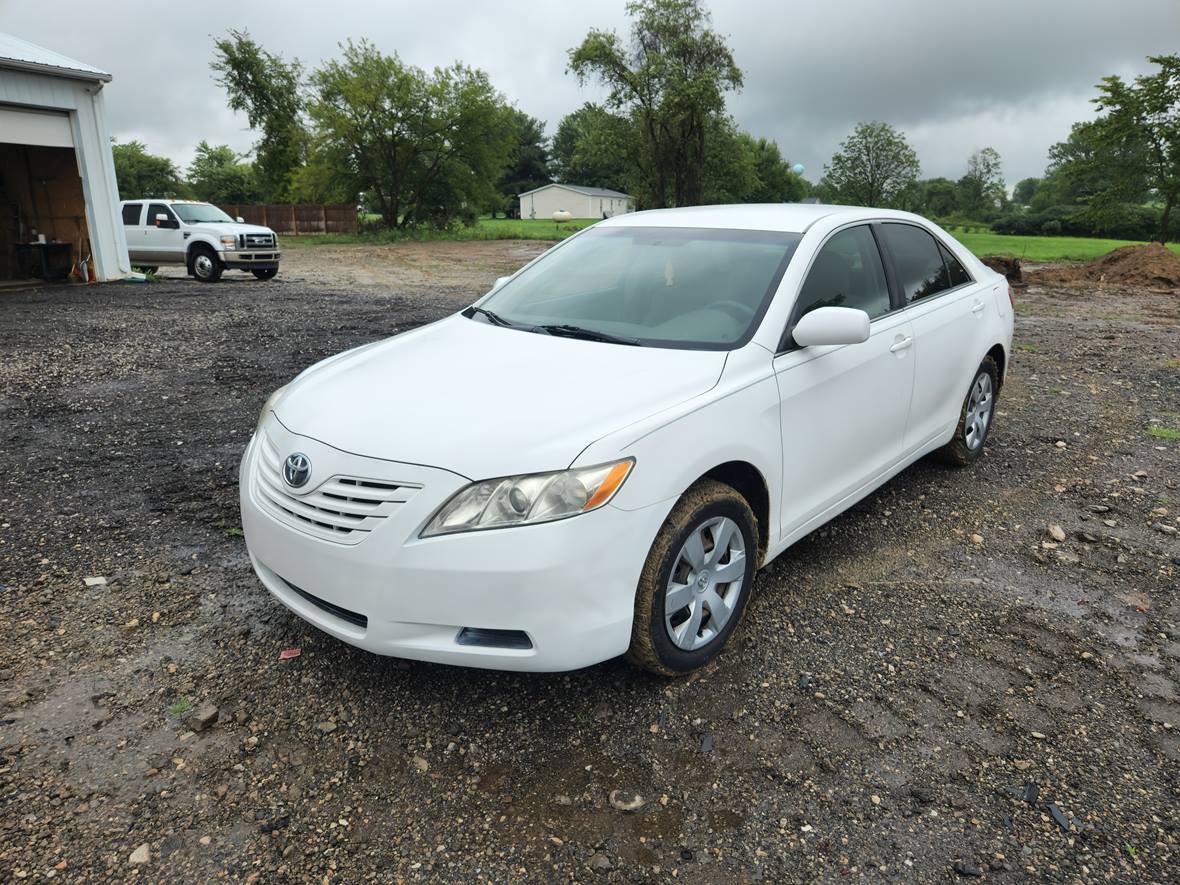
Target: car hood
[[486, 401]]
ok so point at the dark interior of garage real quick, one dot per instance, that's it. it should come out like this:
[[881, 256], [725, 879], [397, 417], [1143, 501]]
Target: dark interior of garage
[[42, 213]]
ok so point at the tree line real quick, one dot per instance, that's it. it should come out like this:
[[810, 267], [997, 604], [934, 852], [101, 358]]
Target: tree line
[[440, 147]]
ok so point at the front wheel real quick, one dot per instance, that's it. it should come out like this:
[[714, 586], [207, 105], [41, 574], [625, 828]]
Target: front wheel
[[696, 581], [265, 273], [204, 264], [975, 419]]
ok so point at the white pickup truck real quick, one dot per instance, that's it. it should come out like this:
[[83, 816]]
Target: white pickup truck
[[199, 237]]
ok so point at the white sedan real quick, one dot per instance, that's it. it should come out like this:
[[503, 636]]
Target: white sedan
[[597, 456]]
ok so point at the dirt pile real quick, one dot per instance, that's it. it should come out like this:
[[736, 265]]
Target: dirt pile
[[1008, 265], [1151, 265]]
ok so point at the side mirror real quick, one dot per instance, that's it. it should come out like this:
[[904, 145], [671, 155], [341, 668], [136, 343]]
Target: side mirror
[[161, 219], [832, 325], [240, 220]]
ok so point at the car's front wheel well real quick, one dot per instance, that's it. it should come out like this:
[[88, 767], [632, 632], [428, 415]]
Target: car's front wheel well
[[747, 480]]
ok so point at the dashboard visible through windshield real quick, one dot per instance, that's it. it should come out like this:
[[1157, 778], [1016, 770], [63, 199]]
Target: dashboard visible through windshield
[[666, 287]]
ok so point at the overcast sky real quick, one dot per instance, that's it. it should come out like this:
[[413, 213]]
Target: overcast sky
[[954, 76]]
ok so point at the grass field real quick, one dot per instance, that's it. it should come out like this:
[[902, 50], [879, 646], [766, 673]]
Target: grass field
[[1034, 249]]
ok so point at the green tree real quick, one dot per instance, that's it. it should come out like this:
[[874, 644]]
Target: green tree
[[218, 174], [776, 183], [670, 81], [141, 174], [425, 148], [936, 197], [875, 166], [1141, 124], [1026, 190], [528, 158], [268, 90], [594, 148], [982, 192], [1104, 176]]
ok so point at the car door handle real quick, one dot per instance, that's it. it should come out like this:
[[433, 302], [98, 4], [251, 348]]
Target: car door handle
[[977, 307], [901, 344]]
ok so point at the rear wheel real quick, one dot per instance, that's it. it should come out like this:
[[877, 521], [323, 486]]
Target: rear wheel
[[975, 420], [266, 273], [204, 264], [696, 581]]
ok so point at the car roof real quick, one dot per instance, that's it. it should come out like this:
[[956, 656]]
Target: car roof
[[166, 200], [788, 217]]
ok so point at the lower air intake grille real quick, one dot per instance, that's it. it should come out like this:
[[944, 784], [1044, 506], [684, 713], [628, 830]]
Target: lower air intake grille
[[343, 614]]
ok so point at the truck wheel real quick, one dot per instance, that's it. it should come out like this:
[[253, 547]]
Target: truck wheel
[[266, 273], [204, 264]]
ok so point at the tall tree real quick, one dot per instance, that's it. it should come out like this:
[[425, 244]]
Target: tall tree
[[141, 174], [218, 174], [1025, 190], [267, 89], [670, 80], [937, 197], [528, 158], [982, 191], [1142, 120], [425, 148], [594, 148], [875, 166]]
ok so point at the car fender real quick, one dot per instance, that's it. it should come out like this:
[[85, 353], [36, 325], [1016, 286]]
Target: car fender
[[736, 421]]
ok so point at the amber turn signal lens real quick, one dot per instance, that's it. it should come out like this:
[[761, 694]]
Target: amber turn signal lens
[[613, 480]]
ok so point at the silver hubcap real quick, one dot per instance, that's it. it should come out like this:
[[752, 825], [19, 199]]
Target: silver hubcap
[[203, 265], [705, 584], [979, 411]]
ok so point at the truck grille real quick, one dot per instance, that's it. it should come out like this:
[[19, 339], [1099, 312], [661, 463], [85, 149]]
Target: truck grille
[[343, 509], [258, 241]]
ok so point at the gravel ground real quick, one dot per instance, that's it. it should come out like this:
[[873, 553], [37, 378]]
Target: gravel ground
[[972, 673]]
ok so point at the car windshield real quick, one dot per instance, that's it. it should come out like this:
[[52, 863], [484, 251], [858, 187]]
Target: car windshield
[[664, 287], [195, 213]]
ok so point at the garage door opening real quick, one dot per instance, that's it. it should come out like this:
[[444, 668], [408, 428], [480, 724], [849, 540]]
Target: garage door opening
[[42, 212]]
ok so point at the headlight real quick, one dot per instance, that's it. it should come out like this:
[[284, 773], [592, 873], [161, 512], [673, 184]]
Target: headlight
[[270, 402], [229, 240], [523, 500]]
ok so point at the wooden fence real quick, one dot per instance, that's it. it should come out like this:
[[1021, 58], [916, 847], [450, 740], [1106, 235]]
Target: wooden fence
[[298, 218]]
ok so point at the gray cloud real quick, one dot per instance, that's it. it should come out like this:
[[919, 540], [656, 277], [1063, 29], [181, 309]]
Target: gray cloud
[[954, 77]]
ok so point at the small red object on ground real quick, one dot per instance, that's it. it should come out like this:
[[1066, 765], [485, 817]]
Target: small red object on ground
[[287, 653]]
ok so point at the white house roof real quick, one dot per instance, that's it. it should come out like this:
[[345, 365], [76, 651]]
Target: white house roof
[[578, 189], [21, 55]]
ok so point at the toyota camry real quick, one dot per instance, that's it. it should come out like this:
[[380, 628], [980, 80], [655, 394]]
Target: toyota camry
[[596, 457]]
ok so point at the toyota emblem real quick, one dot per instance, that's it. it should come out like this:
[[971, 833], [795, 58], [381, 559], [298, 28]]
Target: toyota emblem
[[297, 469]]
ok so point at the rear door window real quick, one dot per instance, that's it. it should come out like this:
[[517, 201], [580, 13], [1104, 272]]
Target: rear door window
[[918, 261], [954, 268], [131, 213]]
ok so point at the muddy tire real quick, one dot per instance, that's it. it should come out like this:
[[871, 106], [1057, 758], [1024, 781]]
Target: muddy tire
[[975, 418], [696, 581], [204, 264]]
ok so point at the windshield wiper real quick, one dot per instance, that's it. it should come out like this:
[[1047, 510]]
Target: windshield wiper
[[494, 318], [568, 331]]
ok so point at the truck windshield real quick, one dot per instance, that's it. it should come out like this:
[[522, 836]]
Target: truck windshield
[[692, 288], [195, 213]]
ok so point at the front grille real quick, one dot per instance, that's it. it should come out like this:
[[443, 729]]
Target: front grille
[[343, 509], [343, 614], [258, 241]]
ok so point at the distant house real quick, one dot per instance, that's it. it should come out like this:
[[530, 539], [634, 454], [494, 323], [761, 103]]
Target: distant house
[[579, 202]]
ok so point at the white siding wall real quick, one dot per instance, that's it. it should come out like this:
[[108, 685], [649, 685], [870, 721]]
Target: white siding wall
[[83, 101], [546, 201]]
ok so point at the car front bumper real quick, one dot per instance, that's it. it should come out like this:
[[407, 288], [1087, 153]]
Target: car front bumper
[[255, 259], [568, 586]]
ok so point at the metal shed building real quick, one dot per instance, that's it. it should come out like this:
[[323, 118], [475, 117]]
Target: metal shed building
[[59, 203], [578, 201]]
